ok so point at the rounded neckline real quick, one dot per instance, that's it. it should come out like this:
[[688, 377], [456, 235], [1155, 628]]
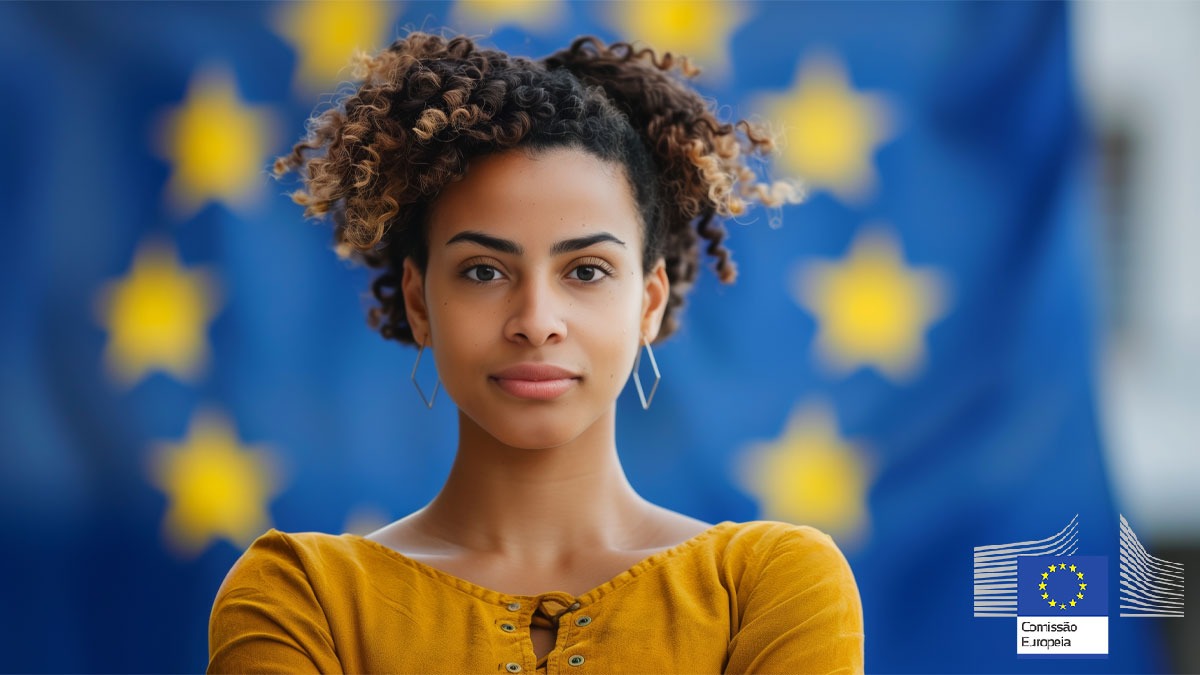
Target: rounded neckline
[[591, 595]]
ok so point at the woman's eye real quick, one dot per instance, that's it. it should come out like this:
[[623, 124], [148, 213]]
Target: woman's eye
[[588, 272], [482, 273]]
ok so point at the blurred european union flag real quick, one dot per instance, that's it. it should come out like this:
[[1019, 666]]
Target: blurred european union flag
[[905, 361]]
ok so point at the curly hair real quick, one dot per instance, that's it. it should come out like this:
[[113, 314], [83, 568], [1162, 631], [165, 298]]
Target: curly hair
[[427, 105]]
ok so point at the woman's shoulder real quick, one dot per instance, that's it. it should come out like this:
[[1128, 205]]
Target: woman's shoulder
[[741, 537], [786, 556], [278, 556], [278, 544], [799, 608], [272, 612], [768, 537]]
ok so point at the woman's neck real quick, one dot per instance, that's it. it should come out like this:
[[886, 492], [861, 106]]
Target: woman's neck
[[538, 504]]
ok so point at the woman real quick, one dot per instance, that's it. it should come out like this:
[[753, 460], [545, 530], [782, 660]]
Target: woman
[[535, 224]]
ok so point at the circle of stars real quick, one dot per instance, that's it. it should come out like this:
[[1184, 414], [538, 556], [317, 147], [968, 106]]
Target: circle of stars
[[1055, 602]]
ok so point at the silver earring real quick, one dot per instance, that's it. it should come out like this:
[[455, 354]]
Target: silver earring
[[637, 380], [428, 401]]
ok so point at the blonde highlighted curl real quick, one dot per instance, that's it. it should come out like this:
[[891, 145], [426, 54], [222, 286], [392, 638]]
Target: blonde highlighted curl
[[427, 105]]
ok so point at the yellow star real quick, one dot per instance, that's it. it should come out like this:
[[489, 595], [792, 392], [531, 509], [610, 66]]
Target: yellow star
[[1045, 595], [1072, 568], [809, 475], [216, 144], [1079, 595], [326, 33], [1063, 607], [1083, 587], [1052, 603], [215, 487], [1079, 574], [1062, 566], [1045, 575], [1042, 586], [871, 308], [1052, 568], [1072, 603], [830, 131], [699, 30], [534, 15], [157, 317]]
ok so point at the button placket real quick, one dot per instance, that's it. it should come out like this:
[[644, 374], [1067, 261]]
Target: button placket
[[569, 632], [565, 631], [510, 625]]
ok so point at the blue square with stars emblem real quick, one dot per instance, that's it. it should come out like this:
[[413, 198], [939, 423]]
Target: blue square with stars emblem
[[1062, 586]]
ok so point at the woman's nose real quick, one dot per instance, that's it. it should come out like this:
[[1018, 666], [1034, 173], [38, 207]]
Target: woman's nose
[[535, 313]]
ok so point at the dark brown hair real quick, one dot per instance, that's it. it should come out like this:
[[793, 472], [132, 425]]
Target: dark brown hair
[[427, 105]]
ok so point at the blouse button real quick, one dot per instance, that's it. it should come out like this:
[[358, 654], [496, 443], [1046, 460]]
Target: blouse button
[[576, 660], [507, 627], [514, 606], [512, 667], [583, 621]]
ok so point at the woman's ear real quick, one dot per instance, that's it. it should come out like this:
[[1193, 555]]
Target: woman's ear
[[412, 286], [654, 300]]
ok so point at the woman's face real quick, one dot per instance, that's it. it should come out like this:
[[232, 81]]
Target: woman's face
[[534, 300]]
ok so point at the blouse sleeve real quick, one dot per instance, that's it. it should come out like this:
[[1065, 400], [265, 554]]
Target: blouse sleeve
[[266, 618], [804, 614]]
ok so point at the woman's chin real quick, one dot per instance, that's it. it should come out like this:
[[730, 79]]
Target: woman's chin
[[534, 439], [541, 428]]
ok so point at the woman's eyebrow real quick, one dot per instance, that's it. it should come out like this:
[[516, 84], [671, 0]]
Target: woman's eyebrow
[[568, 245], [487, 241], [513, 248]]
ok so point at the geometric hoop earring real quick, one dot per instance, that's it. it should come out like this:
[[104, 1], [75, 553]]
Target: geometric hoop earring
[[428, 401], [637, 380]]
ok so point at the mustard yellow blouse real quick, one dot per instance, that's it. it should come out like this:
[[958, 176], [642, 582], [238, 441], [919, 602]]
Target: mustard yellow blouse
[[753, 597]]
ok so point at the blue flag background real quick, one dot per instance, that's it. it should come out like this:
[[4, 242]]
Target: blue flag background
[[905, 361]]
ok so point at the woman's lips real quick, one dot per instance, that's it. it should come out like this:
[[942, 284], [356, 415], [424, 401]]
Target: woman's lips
[[537, 381], [540, 390]]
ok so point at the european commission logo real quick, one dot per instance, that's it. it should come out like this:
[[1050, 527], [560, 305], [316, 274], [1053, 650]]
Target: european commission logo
[[1060, 599], [1062, 605]]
